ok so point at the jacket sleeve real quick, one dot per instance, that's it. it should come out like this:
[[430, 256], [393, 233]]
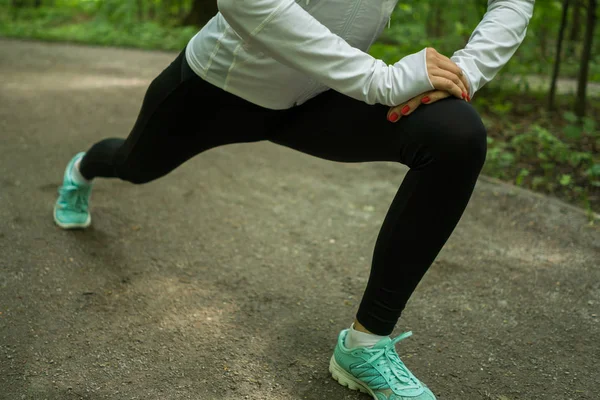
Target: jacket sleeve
[[284, 31], [494, 41]]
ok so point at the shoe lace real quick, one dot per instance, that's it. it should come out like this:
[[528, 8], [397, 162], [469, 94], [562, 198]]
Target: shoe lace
[[391, 366], [74, 198]]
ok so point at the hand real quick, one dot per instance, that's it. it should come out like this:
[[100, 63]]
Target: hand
[[446, 75], [407, 108]]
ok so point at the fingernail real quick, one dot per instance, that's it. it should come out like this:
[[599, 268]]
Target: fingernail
[[393, 117], [425, 99], [464, 95], [468, 98], [405, 110]]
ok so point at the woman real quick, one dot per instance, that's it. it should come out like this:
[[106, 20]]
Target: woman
[[262, 70]]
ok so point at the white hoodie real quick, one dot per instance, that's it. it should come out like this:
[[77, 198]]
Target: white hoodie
[[280, 53]]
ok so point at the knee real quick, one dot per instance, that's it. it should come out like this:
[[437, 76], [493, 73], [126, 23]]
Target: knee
[[131, 174], [135, 179], [462, 137]]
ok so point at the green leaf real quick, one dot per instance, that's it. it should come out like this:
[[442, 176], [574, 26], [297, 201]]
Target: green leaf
[[537, 181], [507, 159], [548, 166], [577, 158], [521, 177], [570, 116], [565, 180], [594, 171], [502, 108], [589, 125], [573, 131]]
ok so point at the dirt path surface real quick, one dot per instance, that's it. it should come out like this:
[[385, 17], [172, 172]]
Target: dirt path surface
[[541, 83], [231, 277]]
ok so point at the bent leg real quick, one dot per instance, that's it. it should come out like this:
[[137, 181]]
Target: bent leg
[[181, 116], [443, 143]]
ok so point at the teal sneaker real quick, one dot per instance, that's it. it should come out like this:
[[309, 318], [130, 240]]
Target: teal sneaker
[[71, 208], [377, 371]]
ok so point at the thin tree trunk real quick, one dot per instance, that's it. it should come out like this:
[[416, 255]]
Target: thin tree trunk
[[181, 9], [151, 13], [140, 10], [165, 10], [434, 20], [561, 35], [544, 41], [429, 21], [439, 22], [585, 58], [575, 33], [576, 24]]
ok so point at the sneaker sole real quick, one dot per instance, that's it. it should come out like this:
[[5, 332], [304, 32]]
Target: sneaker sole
[[345, 379], [87, 222]]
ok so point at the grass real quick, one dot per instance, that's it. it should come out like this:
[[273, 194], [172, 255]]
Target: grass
[[77, 27]]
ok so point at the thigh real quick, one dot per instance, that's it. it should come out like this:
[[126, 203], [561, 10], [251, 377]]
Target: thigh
[[336, 127], [182, 116]]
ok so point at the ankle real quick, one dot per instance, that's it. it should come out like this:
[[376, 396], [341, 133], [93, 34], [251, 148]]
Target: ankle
[[77, 176], [361, 338], [360, 327]]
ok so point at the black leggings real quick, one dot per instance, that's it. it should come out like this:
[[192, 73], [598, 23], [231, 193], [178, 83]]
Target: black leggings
[[443, 143]]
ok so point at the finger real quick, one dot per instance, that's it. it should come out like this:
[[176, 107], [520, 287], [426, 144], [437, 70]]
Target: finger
[[434, 96], [465, 82], [454, 78], [448, 64], [431, 52], [435, 60], [403, 110], [446, 84]]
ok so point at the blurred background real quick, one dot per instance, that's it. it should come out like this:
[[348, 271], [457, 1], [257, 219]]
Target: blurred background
[[541, 111]]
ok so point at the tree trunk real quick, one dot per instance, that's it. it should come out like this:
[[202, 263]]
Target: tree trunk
[[151, 11], [576, 24], [201, 12], [18, 4], [26, 3], [585, 58], [181, 9], [140, 10], [434, 20], [575, 33], [561, 35], [439, 22], [166, 11], [543, 35], [429, 22]]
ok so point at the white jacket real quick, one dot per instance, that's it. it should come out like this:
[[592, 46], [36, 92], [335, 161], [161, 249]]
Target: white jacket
[[280, 53]]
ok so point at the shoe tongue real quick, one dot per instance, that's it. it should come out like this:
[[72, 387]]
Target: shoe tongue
[[382, 343]]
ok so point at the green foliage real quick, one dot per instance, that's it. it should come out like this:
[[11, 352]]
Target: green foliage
[[101, 22], [551, 154]]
